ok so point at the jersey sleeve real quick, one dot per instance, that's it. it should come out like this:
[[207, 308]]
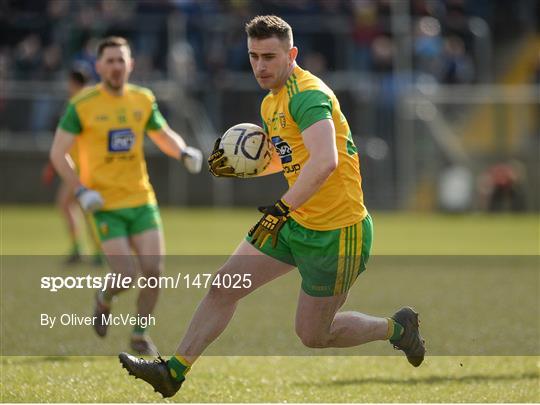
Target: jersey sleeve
[[156, 120], [70, 121], [310, 106]]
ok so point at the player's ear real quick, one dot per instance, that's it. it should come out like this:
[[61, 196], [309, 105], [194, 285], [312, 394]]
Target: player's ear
[[293, 53], [131, 65]]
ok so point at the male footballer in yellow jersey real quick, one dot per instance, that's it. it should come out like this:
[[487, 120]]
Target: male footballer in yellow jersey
[[320, 225], [65, 197], [109, 122]]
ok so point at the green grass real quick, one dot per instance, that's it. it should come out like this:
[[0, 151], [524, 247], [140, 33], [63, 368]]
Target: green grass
[[464, 292], [281, 379], [217, 231]]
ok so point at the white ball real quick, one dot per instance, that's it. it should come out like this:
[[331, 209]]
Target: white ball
[[248, 149]]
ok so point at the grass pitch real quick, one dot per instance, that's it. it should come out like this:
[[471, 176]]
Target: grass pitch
[[281, 379], [38, 231]]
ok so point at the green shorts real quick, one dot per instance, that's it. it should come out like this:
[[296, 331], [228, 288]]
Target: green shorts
[[329, 261], [125, 222]]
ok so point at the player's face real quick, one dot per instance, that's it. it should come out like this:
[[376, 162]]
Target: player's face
[[271, 60], [114, 66]]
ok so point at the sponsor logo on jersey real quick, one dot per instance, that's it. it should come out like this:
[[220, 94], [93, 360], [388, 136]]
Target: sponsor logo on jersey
[[102, 117], [283, 149], [121, 140], [292, 168]]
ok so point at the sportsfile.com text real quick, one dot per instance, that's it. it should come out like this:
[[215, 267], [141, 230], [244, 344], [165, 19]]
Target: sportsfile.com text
[[111, 280]]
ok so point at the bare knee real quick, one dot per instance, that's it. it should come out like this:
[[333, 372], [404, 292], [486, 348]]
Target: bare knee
[[313, 339], [151, 266], [153, 270], [122, 265], [222, 296]]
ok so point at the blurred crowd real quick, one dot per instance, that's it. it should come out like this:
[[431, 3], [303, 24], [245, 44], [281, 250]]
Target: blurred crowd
[[41, 40], [197, 43]]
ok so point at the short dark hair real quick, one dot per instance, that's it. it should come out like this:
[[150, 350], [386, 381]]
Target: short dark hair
[[110, 42], [267, 26], [79, 76]]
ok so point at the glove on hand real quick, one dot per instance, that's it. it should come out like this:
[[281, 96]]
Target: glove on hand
[[270, 224], [90, 200]]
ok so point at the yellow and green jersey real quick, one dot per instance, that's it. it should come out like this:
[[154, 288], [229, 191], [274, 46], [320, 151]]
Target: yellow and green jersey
[[110, 133], [304, 100]]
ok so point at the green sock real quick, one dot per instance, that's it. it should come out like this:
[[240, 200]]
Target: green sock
[[139, 330], [395, 330], [178, 367], [75, 248], [98, 258]]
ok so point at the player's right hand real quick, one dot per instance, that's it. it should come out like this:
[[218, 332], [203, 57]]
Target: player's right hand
[[90, 200], [192, 158], [217, 162]]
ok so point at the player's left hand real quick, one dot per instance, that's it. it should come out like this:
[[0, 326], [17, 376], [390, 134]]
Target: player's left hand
[[217, 162], [270, 224], [192, 159]]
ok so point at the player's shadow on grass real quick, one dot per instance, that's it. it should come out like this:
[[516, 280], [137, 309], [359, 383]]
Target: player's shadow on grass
[[430, 379]]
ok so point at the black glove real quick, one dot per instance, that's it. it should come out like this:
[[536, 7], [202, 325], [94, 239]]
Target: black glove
[[218, 163], [270, 224]]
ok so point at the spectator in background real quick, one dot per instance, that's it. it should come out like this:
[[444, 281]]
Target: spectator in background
[[456, 21], [51, 63], [151, 35], [428, 46], [366, 27], [85, 58], [28, 57], [43, 107], [501, 187], [316, 63], [57, 14], [192, 13], [236, 41], [382, 55], [457, 65]]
